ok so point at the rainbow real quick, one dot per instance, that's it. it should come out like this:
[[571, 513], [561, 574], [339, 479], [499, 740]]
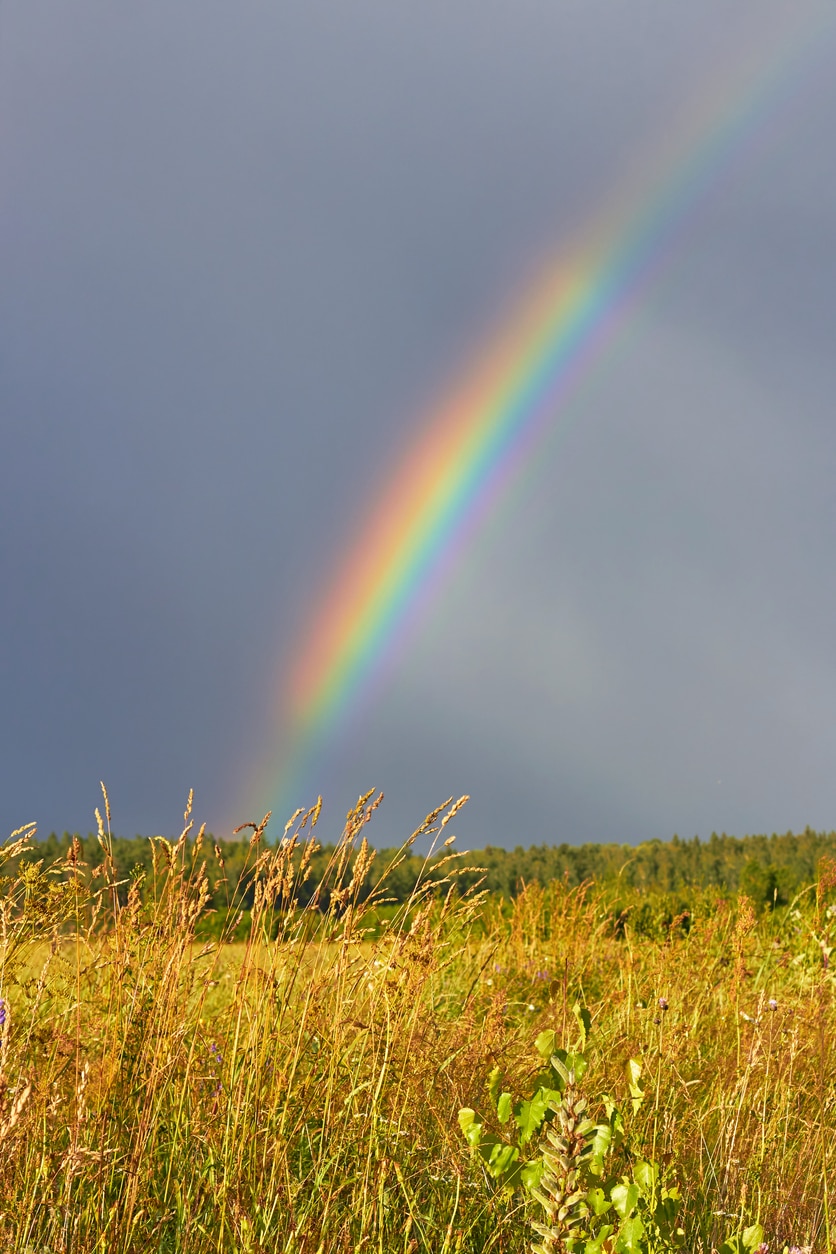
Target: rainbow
[[478, 440]]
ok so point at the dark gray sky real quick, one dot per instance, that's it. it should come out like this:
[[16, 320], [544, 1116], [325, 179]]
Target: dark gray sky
[[242, 245]]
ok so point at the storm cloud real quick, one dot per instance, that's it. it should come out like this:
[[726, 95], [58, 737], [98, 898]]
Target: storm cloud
[[243, 247]]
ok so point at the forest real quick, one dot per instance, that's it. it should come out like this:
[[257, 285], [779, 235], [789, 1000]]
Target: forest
[[767, 869]]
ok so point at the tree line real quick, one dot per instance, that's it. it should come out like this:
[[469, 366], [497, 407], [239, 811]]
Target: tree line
[[768, 869]]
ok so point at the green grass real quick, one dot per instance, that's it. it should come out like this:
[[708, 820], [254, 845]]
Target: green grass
[[300, 1091]]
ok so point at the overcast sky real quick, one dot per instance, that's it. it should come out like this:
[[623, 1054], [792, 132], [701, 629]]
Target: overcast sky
[[242, 247]]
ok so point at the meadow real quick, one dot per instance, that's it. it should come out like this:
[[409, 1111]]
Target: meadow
[[326, 1067]]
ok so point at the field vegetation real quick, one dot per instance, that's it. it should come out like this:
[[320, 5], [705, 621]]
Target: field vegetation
[[318, 1048]]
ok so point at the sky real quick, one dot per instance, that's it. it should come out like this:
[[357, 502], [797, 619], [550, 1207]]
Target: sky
[[244, 250]]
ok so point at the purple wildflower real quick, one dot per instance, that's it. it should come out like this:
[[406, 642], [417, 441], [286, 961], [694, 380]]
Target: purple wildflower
[[2, 1012], [663, 1003], [772, 1004]]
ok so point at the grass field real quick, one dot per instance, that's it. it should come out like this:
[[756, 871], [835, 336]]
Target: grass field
[[301, 1091]]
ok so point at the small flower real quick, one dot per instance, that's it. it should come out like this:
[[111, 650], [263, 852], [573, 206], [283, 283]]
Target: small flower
[[2, 1012], [542, 975], [663, 1003], [772, 1004], [530, 1007], [763, 1248]]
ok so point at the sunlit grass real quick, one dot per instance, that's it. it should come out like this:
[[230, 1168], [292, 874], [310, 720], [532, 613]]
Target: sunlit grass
[[300, 1091]]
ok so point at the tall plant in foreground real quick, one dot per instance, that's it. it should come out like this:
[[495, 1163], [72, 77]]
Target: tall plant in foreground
[[595, 1192]]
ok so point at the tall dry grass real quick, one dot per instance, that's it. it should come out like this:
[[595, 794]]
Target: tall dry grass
[[300, 1092]]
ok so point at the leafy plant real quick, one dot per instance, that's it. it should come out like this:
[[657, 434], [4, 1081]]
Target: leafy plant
[[507, 1155], [597, 1194]]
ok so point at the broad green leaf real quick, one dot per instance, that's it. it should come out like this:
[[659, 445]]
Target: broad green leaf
[[584, 1019], [598, 1202], [600, 1148], [493, 1084], [545, 1043], [752, 1237], [624, 1198], [596, 1244], [630, 1236], [466, 1117], [532, 1173], [501, 1158], [668, 1208], [646, 1176], [513, 1177], [503, 1108], [577, 1064], [487, 1145], [470, 1126], [743, 1243], [634, 1071], [548, 1080], [616, 1120], [529, 1115]]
